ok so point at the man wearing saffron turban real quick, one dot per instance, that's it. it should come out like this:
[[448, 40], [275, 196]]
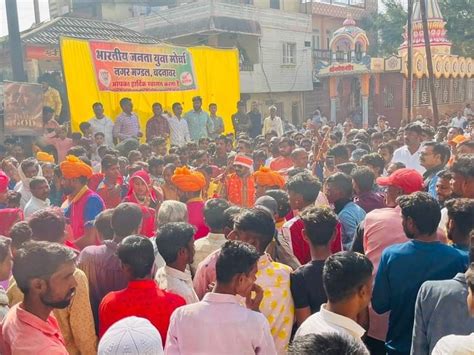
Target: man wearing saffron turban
[[267, 179], [82, 204], [45, 157], [190, 184]]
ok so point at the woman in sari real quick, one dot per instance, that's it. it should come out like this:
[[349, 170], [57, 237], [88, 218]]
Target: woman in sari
[[141, 192]]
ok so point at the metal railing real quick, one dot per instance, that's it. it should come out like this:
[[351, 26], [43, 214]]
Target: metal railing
[[326, 55], [246, 66], [361, 4]]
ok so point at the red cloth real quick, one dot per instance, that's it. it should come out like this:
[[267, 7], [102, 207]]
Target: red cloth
[[148, 222], [300, 246], [196, 218], [281, 163], [8, 217], [143, 299], [145, 177], [4, 181]]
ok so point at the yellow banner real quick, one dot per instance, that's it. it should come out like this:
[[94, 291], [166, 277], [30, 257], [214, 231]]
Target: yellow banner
[[216, 72]]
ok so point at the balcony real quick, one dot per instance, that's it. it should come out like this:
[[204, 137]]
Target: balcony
[[339, 8], [328, 56], [355, 3], [246, 66]]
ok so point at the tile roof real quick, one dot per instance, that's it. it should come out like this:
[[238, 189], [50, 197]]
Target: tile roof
[[49, 32]]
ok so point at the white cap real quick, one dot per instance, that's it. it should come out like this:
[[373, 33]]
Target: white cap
[[131, 335]]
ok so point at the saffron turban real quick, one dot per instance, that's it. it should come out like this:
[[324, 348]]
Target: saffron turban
[[73, 168], [4, 181], [458, 139], [45, 157], [267, 177], [187, 180]]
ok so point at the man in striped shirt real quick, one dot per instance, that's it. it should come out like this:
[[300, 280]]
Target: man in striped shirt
[[127, 124]]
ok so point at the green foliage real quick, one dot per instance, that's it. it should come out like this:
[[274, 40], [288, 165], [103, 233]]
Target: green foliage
[[459, 15], [385, 29]]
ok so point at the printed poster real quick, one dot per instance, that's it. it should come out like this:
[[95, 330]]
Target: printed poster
[[129, 67], [23, 108]]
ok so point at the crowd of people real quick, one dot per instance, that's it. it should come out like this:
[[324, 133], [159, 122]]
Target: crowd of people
[[177, 238]]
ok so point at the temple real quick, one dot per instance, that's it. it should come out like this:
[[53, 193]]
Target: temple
[[363, 87]]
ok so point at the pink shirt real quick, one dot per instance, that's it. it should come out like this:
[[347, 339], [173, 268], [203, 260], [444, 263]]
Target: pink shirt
[[277, 303], [24, 333], [382, 228], [61, 145], [241, 331]]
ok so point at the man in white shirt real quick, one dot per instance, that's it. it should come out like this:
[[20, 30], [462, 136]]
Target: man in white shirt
[[219, 324], [175, 243], [347, 280], [409, 154], [459, 121], [468, 111], [273, 123], [179, 130], [101, 123], [460, 344], [215, 219], [39, 188]]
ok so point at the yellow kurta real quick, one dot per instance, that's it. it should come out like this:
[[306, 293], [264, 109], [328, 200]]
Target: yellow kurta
[[277, 304], [51, 98]]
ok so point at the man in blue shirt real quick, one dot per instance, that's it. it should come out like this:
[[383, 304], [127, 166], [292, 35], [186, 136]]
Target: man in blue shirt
[[199, 122], [404, 267], [339, 192]]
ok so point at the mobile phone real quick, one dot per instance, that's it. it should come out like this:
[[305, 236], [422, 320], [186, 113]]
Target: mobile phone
[[330, 162]]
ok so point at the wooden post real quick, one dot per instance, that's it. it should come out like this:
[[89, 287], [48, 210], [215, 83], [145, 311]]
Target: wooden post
[[429, 61], [14, 41]]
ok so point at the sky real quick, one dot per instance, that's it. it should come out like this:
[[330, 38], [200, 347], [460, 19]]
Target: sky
[[26, 14]]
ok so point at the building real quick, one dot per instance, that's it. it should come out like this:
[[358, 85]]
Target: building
[[110, 10], [357, 85], [327, 17], [274, 45], [41, 43]]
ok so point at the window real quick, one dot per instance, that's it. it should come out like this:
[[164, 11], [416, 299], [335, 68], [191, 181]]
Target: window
[[316, 40], [470, 89], [422, 92], [289, 53], [459, 90], [388, 96], [275, 4]]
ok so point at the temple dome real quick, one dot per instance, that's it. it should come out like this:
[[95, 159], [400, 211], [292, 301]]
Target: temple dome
[[348, 35]]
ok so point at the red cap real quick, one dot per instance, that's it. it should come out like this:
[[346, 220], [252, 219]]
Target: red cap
[[4, 180], [409, 180]]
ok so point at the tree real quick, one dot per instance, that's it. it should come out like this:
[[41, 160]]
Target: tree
[[459, 15], [385, 29]]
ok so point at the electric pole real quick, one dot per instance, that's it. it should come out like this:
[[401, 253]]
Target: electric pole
[[410, 61], [14, 41], [429, 62], [37, 11]]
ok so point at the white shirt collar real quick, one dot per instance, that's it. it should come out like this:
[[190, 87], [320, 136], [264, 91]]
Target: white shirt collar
[[343, 322], [40, 202], [177, 274]]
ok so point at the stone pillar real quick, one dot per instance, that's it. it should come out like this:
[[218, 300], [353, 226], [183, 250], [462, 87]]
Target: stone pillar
[[365, 111], [333, 96], [333, 109]]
